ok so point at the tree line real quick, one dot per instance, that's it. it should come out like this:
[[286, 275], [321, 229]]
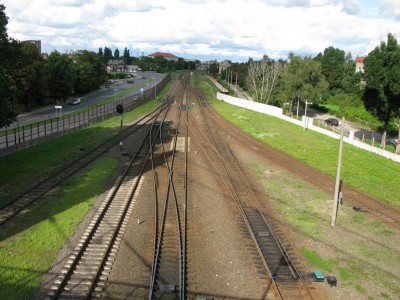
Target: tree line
[[27, 79], [371, 95]]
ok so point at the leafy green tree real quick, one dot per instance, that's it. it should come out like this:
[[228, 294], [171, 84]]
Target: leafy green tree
[[27, 73], [100, 53], [60, 75], [107, 55], [333, 67], [127, 56], [8, 113], [116, 54], [213, 69], [90, 71], [382, 82], [302, 80]]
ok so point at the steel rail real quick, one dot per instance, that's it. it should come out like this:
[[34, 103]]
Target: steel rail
[[60, 287]]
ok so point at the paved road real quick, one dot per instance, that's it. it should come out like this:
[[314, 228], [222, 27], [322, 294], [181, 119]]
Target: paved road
[[149, 81]]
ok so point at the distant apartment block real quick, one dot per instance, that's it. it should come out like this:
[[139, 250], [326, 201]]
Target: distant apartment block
[[37, 43]]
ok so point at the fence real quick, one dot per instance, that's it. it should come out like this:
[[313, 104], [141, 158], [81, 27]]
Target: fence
[[307, 123], [19, 138]]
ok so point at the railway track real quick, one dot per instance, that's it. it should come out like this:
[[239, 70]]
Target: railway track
[[85, 272], [169, 257], [285, 280], [23, 201]]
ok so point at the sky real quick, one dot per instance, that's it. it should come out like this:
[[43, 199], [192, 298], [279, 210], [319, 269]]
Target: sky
[[206, 29]]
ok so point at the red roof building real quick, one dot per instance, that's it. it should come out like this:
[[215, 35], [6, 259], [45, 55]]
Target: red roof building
[[360, 64], [167, 56]]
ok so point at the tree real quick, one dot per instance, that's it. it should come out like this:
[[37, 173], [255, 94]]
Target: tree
[[262, 78], [127, 56], [90, 71], [107, 55], [213, 69], [333, 67], [116, 53], [100, 53], [7, 88], [302, 80], [60, 75], [381, 94]]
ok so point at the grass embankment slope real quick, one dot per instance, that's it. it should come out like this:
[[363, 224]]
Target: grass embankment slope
[[364, 254], [29, 247]]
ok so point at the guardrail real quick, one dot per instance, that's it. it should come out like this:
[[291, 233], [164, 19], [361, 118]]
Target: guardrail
[[22, 137]]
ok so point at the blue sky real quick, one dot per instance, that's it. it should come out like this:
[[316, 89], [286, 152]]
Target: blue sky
[[206, 29]]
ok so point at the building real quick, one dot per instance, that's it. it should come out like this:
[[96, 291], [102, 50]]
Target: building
[[37, 43], [360, 64], [223, 66], [117, 65], [167, 56]]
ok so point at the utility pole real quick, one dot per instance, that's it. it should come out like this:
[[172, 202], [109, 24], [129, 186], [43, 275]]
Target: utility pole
[[337, 184]]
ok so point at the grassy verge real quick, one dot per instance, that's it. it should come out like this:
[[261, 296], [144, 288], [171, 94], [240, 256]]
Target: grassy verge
[[37, 162], [28, 249], [365, 171]]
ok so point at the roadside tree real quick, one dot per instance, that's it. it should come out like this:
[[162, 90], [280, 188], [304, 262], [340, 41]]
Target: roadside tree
[[7, 112], [90, 71], [60, 75], [302, 80], [382, 82]]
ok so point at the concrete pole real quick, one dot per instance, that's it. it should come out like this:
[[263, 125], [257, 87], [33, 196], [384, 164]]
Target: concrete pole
[[337, 184]]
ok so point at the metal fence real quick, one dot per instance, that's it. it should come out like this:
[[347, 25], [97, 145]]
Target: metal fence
[[19, 138]]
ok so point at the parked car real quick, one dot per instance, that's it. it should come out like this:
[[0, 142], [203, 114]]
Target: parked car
[[130, 81], [332, 122], [75, 101], [107, 86], [110, 82]]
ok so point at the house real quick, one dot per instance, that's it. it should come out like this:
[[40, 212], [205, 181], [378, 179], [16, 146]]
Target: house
[[117, 65], [167, 56], [360, 64], [223, 66]]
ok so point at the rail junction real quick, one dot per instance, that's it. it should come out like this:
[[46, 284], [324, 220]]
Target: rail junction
[[146, 238]]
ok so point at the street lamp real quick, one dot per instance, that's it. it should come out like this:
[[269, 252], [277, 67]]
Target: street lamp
[[305, 116]]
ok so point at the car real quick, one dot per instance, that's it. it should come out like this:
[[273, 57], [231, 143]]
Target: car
[[110, 82], [332, 122], [107, 86], [75, 101], [130, 81]]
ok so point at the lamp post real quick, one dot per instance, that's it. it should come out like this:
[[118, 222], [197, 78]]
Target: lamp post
[[305, 116]]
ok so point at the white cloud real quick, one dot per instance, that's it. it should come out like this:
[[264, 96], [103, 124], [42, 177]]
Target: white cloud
[[213, 28], [390, 7]]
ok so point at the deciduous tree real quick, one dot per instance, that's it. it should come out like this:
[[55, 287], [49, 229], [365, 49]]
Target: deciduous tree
[[382, 81], [302, 79], [262, 77], [60, 75]]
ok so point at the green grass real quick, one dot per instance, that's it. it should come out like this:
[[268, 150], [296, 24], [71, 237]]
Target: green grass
[[28, 249], [315, 259], [38, 162], [365, 171]]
